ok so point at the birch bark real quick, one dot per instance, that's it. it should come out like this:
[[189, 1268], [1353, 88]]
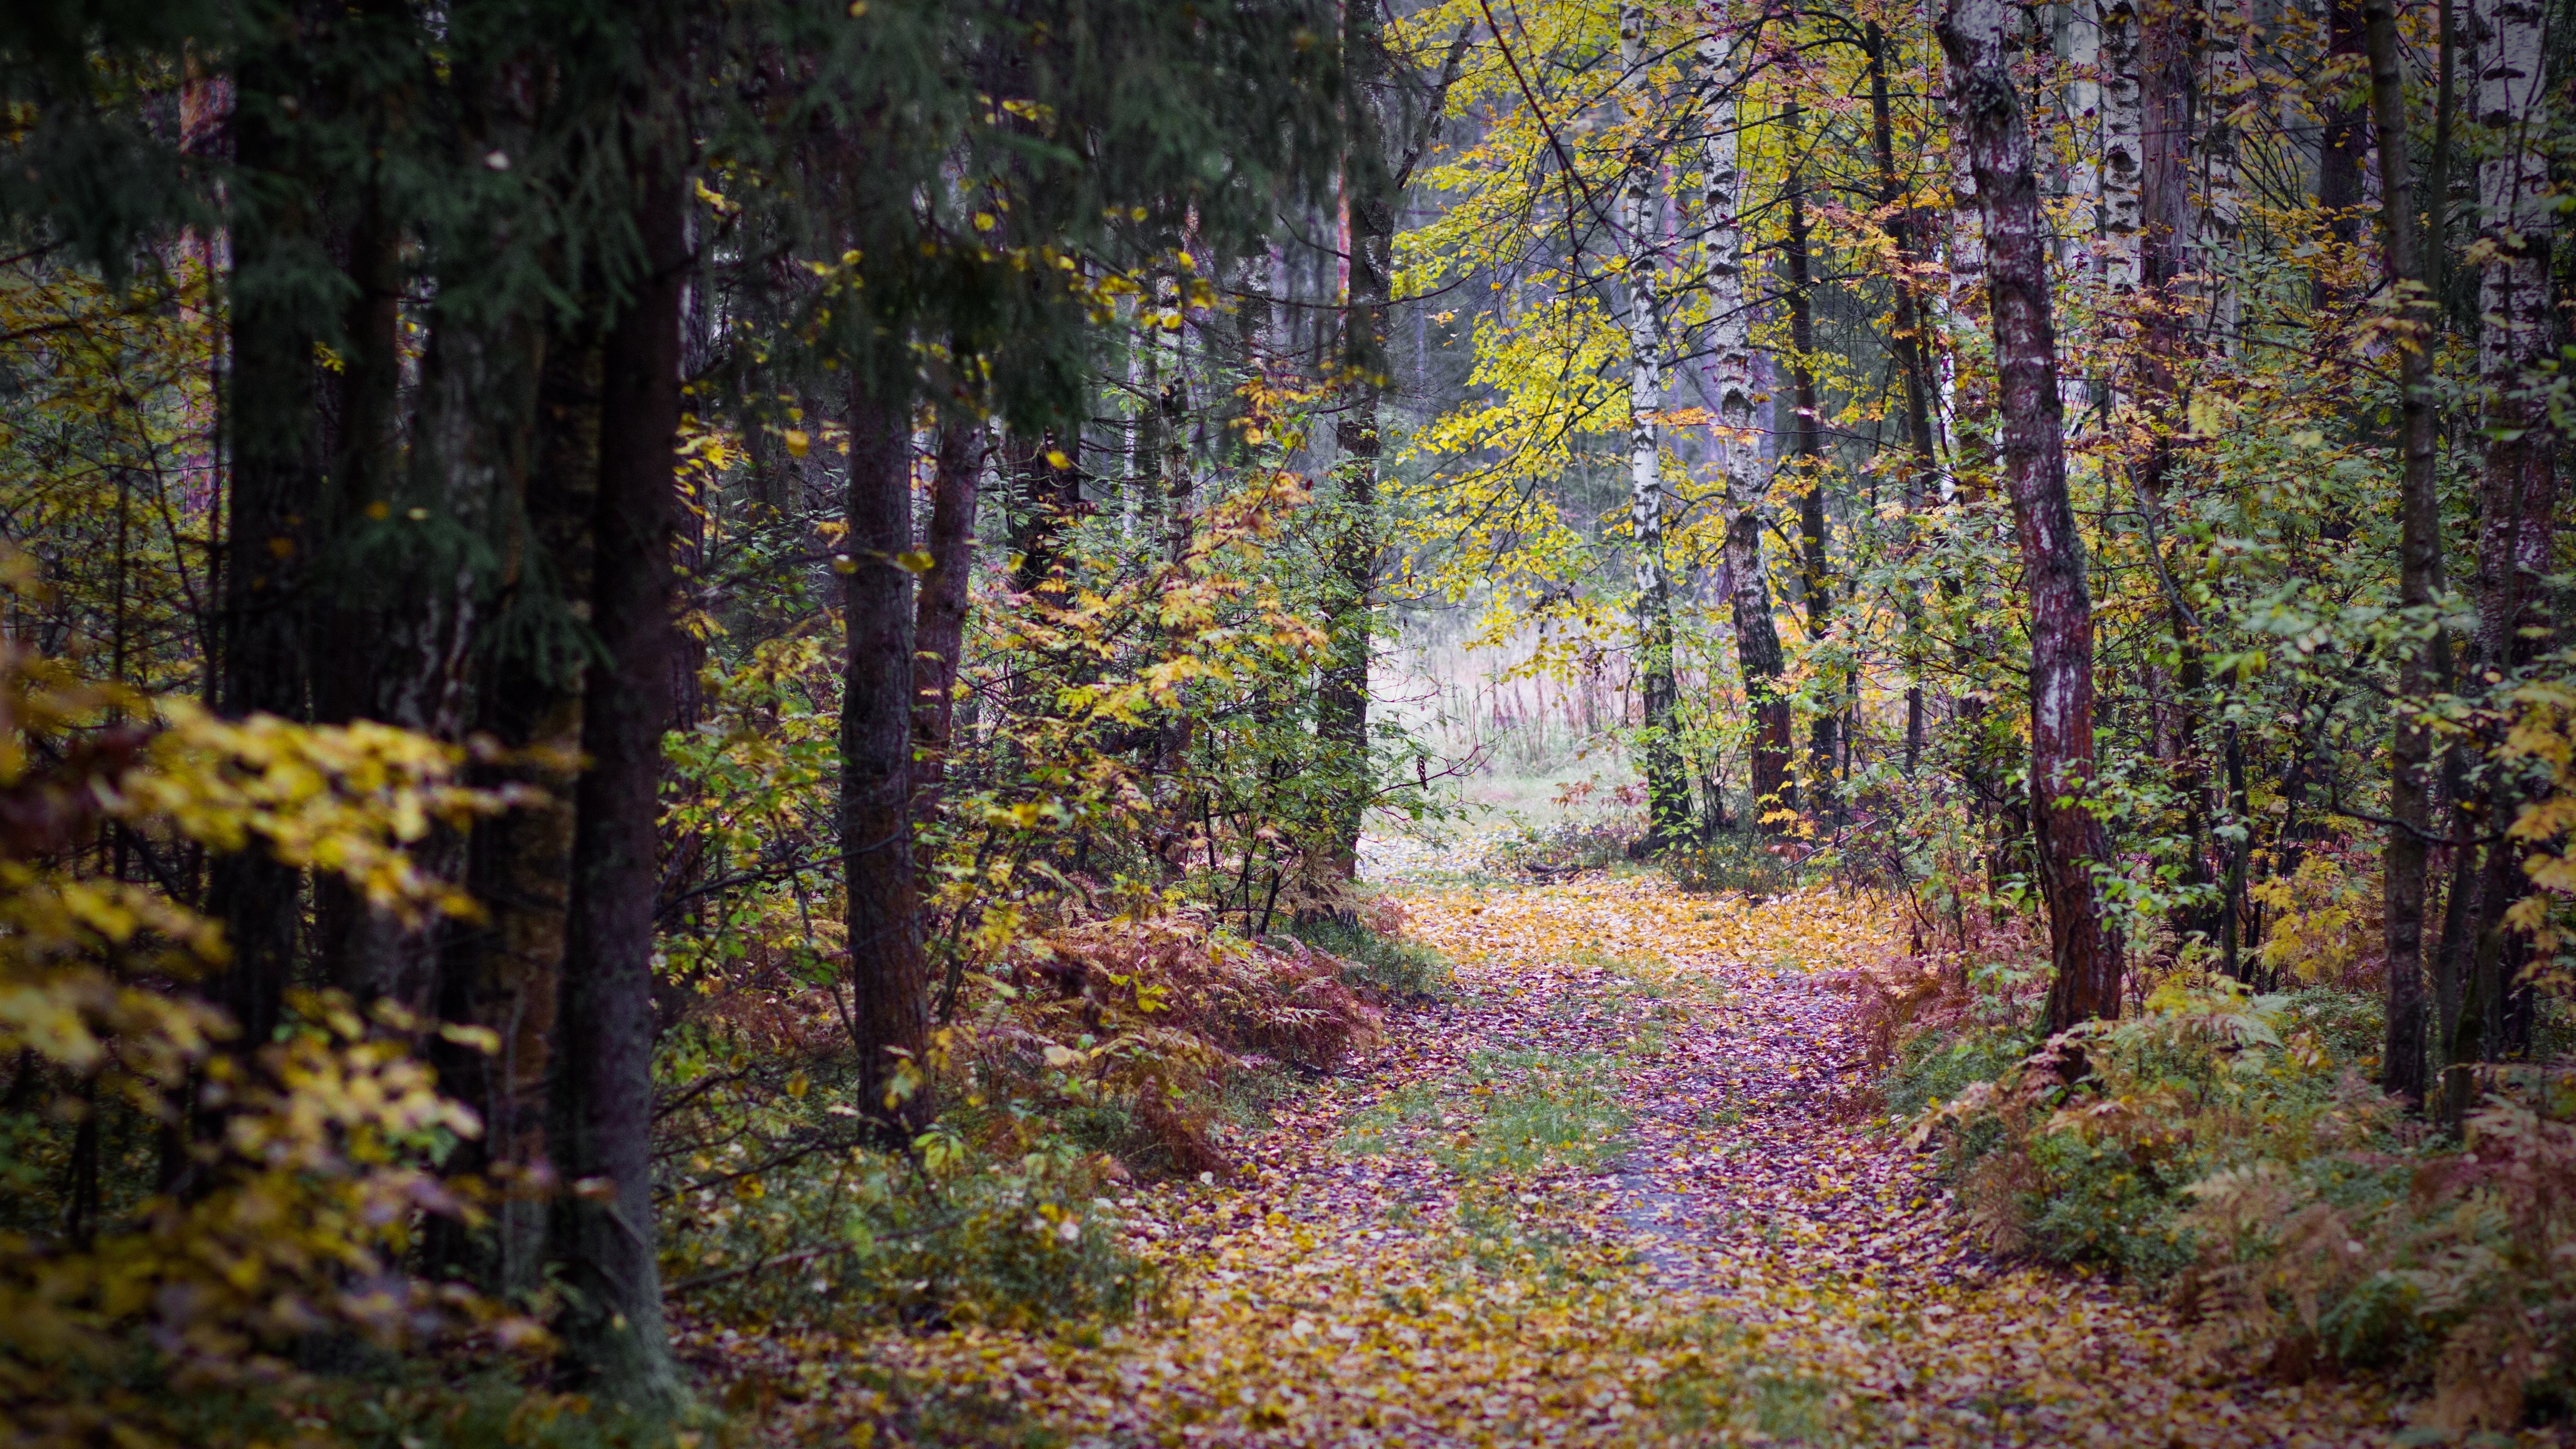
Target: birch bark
[[2517, 505], [1667, 794], [1757, 635], [2068, 837], [2122, 217]]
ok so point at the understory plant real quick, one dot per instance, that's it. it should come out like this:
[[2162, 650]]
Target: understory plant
[[2228, 1150]]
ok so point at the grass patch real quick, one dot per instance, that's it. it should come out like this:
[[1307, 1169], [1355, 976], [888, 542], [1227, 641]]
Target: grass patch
[[1537, 1111], [1504, 1115], [1397, 969]]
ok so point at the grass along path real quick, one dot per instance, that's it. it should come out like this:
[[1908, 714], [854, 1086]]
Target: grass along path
[[1607, 1193]]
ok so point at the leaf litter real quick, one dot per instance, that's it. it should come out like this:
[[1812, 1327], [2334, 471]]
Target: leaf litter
[[1617, 1188]]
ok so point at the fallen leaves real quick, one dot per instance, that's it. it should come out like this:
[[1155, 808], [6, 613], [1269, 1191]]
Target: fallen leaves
[[1609, 1193]]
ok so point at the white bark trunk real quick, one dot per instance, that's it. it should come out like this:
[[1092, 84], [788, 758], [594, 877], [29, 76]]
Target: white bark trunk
[[1642, 276], [2513, 186], [2122, 216], [1964, 393], [1739, 449], [2222, 219]]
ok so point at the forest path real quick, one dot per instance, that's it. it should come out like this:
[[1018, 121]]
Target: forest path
[[1609, 1192]]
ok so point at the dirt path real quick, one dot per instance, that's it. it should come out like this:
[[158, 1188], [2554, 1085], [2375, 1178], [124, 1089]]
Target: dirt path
[[1609, 1193]]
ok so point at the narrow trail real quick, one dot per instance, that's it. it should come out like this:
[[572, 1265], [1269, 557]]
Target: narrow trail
[[1616, 1189]]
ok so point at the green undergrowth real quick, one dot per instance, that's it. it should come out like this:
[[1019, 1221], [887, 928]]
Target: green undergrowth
[[2229, 1150], [949, 1238], [1386, 964], [1504, 1115], [1142, 1050], [1741, 860]]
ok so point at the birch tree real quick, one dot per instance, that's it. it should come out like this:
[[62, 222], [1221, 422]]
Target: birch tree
[[1640, 193], [1759, 657], [2067, 835]]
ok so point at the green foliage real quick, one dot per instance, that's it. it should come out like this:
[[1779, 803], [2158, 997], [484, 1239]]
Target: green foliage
[[2225, 1147], [1744, 861], [839, 1241], [1504, 1116], [1375, 959]]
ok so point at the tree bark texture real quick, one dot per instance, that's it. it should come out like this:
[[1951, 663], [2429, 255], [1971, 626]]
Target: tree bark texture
[[2122, 218], [505, 973], [889, 983], [2344, 141], [939, 622], [2404, 857], [1759, 658], [1640, 194], [2517, 502], [2067, 836], [602, 1118], [1341, 703], [280, 304], [1807, 450]]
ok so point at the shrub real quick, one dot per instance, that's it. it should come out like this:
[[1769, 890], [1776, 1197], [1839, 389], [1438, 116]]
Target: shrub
[[2226, 1146], [863, 1237], [1374, 958]]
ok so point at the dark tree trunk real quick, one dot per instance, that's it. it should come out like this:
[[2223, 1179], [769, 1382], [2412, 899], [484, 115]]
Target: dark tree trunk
[[279, 311], [2345, 140], [939, 625], [1761, 661], [364, 456], [505, 973], [889, 1010], [1808, 447], [2067, 837], [602, 1108], [1904, 235], [2404, 857], [1913, 373], [1341, 702]]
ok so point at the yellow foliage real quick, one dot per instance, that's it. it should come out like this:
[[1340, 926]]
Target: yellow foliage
[[303, 1163]]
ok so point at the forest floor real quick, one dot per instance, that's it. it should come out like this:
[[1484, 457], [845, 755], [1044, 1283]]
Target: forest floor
[[1621, 1186]]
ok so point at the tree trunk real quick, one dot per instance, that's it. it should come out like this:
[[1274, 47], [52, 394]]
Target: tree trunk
[[2516, 510], [889, 987], [2343, 142], [2123, 211], [2068, 838], [2419, 569], [939, 625], [505, 973], [269, 413], [2230, 31], [1758, 654], [1807, 447], [602, 1118], [1341, 704], [1667, 790], [1908, 340]]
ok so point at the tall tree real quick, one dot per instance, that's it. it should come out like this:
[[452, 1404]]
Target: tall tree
[[1640, 198], [603, 1235], [2424, 666], [1368, 236], [2517, 507], [889, 1006], [1760, 662], [283, 298], [2067, 835], [1806, 453]]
